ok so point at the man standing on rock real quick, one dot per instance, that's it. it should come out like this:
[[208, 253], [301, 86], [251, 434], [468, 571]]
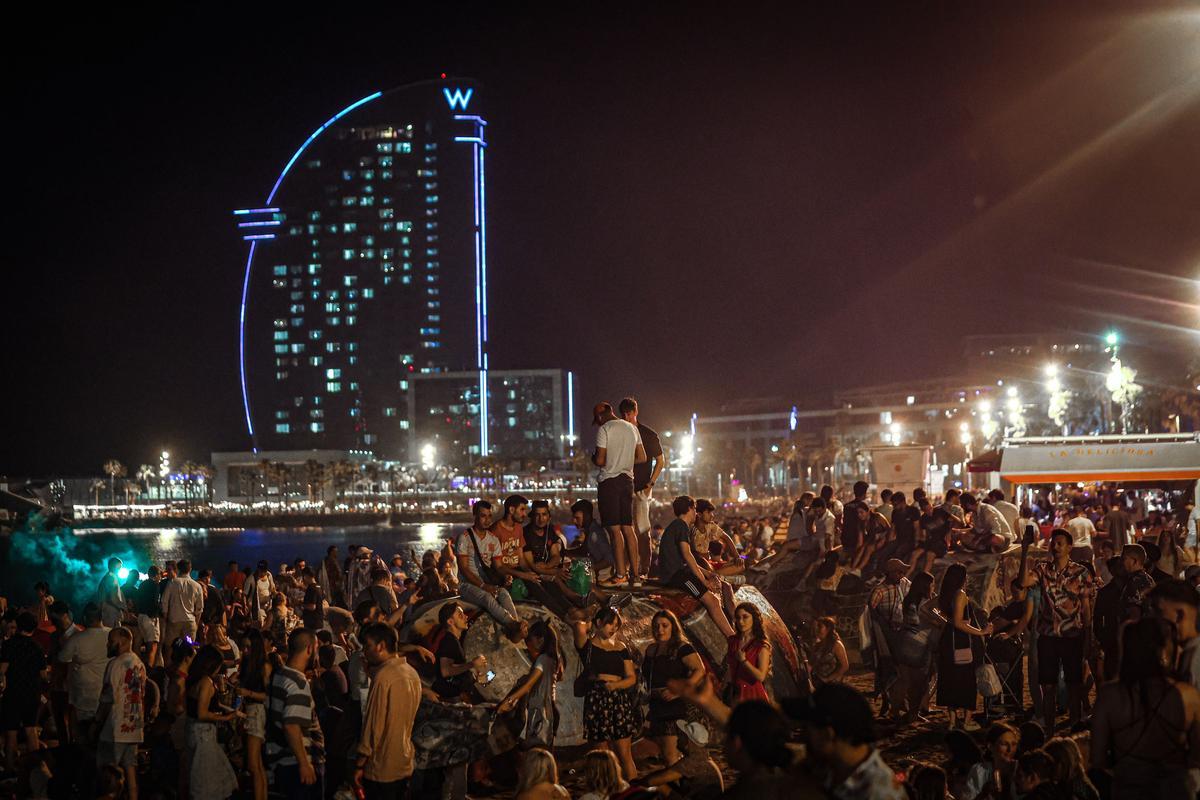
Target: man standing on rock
[[645, 475], [618, 449]]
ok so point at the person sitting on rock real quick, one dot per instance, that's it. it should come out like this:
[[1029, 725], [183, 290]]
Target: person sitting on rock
[[682, 570]]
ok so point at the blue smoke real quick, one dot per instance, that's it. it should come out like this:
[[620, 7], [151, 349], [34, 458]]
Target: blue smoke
[[45, 550]]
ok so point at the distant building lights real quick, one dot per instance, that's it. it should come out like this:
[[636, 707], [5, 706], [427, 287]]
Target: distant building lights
[[910, 400], [260, 223], [243, 211]]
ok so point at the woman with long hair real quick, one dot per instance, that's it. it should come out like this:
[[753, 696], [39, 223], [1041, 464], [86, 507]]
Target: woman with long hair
[[216, 635], [539, 685], [749, 655], [992, 777], [538, 779], [611, 715], [602, 776], [281, 621], [1146, 724], [1070, 777], [670, 656], [253, 680], [912, 651], [956, 663], [211, 776], [829, 660]]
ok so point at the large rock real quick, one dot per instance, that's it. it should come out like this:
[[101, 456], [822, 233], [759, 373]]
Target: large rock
[[510, 662]]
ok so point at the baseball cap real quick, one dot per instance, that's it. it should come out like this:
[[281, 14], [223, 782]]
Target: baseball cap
[[599, 410], [895, 565], [837, 706], [694, 731]]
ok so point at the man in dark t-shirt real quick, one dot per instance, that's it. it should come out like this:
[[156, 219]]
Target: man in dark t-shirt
[[455, 675], [25, 668], [905, 519], [645, 475], [680, 569], [851, 526], [313, 613]]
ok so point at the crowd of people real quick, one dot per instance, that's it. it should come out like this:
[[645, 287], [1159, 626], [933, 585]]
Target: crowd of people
[[350, 676]]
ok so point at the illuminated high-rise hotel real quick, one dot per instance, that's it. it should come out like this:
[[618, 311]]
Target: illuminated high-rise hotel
[[366, 273], [367, 265]]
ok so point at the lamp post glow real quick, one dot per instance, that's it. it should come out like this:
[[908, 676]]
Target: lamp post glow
[[428, 456]]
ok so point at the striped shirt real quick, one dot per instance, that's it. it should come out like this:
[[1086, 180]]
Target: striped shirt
[[290, 702]]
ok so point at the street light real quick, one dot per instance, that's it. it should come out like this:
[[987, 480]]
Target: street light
[[1112, 338]]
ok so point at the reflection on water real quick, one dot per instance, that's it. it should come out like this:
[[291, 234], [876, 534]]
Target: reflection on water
[[212, 548]]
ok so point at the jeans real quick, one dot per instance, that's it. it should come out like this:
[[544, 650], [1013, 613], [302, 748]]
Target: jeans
[[287, 782], [500, 607]]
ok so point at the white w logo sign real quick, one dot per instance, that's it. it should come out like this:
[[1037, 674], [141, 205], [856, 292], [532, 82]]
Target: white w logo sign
[[457, 98]]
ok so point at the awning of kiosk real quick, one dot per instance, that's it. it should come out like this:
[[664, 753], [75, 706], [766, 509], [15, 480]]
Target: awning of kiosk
[[1124, 462]]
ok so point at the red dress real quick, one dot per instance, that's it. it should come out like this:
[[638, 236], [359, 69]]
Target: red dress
[[744, 685]]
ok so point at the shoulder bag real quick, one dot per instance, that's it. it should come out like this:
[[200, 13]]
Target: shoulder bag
[[490, 574]]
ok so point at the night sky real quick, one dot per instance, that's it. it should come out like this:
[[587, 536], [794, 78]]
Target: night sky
[[684, 204]]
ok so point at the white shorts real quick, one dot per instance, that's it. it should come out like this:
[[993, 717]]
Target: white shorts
[[641, 510], [149, 628], [256, 720]]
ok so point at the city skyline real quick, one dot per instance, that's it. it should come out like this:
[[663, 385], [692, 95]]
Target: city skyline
[[807, 200]]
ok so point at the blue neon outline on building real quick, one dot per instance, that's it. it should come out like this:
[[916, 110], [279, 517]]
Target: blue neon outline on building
[[250, 259], [478, 146], [457, 98]]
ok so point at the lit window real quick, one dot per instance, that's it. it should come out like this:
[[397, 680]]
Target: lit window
[[280, 269], [349, 227], [314, 215], [283, 427], [404, 386], [404, 225], [281, 348], [351, 319], [383, 147], [281, 376], [403, 279], [297, 349], [281, 336], [368, 294], [350, 201], [334, 321], [368, 201], [389, 412], [350, 280], [333, 373], [333, 386], [347, 254], [369, 175], [316, 427], [315, 361], [347, 174], [315, 335], [403, 147], [352, 347]]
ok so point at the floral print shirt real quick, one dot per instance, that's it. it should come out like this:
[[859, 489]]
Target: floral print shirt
[[1064, 594]]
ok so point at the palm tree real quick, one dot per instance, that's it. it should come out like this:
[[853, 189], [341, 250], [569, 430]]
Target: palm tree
[[344, 472], [314, 476], [188, 470], [97, 487], [113, 469], [370, 472], [145, 473], [203, 474], [132, 489], [279, 473]]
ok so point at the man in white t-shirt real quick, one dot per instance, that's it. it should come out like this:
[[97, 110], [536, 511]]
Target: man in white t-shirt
[[478, 552], [87, 654], [618, 448], [992, 534], [122, 711], [182, 602], [1007, 510], [1082, 530]]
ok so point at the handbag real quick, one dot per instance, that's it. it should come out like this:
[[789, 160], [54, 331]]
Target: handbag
[[584, 680], [987, 680], [962, 655]]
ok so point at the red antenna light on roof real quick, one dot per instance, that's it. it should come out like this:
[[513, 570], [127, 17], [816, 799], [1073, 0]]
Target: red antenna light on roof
[[443, 76]]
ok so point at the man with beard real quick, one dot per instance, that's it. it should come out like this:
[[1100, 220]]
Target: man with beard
[[541, 558], [122, 712], [385, 750], [295, 743]]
